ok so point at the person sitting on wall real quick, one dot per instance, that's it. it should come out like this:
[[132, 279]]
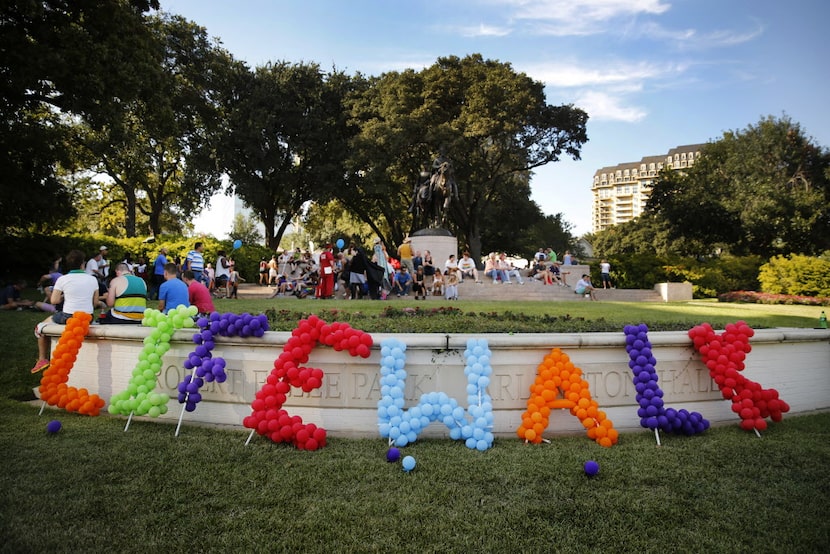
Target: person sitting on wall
[[558, 275], [173, 292], [584, 286], [126, 297], [198, 294], [74, 292]]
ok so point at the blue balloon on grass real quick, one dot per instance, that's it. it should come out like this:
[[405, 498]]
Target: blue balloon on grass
[[53, 426], [408, 464], [237, 244], [591, 468], [340, 243]]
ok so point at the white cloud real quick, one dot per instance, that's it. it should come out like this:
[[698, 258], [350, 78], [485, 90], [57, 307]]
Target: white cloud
[[607, 91], [580, 17], [483, 30], [604, 106], [690, 39], [595, 10], [573, 74]]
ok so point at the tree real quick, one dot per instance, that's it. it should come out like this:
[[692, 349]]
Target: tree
[[245, 229], [61, 58], [160, 150], [493, 123], [763, 190], [331, 221], [284, 143]]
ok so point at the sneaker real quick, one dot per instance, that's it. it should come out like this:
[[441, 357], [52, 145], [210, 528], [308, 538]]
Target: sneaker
[[40, 366]]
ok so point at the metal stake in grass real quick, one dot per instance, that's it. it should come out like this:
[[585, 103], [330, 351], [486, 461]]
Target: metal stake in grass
[[42, 406], [181, 415], [250, 437], [129, 419], [657, 436], [184, 404]]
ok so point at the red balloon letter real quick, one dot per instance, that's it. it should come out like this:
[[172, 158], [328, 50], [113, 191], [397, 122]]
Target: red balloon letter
[[268, 417]]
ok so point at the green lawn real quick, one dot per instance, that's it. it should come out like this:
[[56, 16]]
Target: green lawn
[[94, 488]]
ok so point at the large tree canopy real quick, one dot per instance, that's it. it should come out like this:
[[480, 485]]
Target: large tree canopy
[[762, 190], [285, 141], [159, 151], [492, 122], [61, 58]]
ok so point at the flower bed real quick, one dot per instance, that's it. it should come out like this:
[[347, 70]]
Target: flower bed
[[752, 297]]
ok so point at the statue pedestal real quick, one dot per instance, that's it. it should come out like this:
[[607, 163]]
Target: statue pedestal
[[440, 242]]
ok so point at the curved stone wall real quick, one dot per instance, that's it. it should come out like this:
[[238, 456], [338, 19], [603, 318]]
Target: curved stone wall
[[794, 361]]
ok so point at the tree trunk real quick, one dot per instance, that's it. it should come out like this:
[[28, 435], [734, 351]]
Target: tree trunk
[[130, 215], [268, 216]]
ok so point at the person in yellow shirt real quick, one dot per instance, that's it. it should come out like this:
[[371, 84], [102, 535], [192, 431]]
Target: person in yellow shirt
[[405, 255]]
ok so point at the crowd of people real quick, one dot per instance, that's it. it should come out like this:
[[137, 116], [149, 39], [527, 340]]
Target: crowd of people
[[122, 291]]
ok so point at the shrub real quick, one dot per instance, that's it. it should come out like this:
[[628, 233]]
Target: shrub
[[752, 297], [29, 257], [796, 275]]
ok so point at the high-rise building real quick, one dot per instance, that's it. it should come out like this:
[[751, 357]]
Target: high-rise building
[[621, 191]]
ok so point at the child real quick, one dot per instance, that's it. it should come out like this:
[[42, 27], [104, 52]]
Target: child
[[451, 290], [233, 282], [437, 284]]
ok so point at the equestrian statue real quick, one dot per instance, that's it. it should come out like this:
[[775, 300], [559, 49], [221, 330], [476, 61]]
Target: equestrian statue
[[434, 193]]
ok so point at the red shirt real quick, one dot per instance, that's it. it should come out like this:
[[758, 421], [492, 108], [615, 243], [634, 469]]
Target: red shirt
[[199, 296]]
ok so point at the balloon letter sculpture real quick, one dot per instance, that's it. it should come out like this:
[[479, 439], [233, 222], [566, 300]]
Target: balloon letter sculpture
[[556, 373], [53, 388], [724, 355], [140, 397], [268, 417], [402, 427], [653, 414], [205, 367]]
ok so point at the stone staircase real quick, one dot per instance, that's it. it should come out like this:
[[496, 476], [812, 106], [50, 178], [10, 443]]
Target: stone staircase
[[534, 290]]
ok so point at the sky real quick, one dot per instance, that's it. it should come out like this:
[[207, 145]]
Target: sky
[[651, 74]]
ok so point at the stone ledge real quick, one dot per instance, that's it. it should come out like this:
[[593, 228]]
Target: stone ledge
[[794, 361]]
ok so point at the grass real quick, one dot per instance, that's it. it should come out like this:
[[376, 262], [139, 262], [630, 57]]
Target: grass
[[92, 487]]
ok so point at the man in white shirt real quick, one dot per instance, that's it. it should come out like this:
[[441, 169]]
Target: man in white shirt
[[103, 264], [74, 292], [467, 267], [584, 286], [509, 270]]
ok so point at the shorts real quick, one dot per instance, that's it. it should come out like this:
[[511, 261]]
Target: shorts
[[58, 317]]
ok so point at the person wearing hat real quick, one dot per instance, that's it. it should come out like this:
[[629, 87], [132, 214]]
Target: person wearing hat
[[405, 255], [104, 265], [325, 281]]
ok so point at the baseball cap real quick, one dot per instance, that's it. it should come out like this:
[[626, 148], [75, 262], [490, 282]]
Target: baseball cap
[[103, 248]]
